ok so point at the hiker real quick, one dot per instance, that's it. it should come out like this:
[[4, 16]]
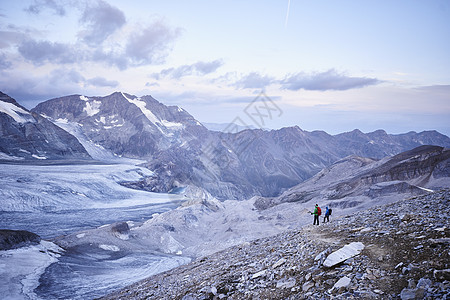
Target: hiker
[[317, 212], [327, 215]]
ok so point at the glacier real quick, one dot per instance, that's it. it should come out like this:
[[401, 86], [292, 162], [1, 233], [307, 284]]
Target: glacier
[[57, 200]]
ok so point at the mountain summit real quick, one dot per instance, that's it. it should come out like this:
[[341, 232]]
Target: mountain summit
[[26, 135], [127, 125]]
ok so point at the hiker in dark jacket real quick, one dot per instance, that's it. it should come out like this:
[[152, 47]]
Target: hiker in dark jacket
[[316, 214], [326, 218]]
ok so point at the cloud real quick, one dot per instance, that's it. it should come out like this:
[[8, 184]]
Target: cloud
[[101, 21], [65, 76], [40, 52], [329, 80], [39, 5], [199, 68], [100, 81], [151, 44], [145, 46], [5, 63], [10, 37], [254, 80], [439, 88]]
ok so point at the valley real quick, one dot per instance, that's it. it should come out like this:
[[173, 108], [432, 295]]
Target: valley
[[129, 188]]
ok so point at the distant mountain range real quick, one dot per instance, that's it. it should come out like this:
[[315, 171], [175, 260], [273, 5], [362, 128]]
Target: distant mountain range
[[183, 152]]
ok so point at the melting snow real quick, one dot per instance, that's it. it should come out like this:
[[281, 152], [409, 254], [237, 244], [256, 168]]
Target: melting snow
[[38, 157]]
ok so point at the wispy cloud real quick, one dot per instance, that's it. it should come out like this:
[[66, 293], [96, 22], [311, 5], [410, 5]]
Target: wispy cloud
[[198, 68], [324, 81], [254, 80]]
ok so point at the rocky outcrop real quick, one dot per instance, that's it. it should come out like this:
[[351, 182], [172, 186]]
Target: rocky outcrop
[[25, 135], [13, 239], [401, 259]]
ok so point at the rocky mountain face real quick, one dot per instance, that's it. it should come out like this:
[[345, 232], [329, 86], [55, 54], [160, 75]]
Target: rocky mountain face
[[395, 251], [413, 172], [26, 135], [125, 124], [182, 152]]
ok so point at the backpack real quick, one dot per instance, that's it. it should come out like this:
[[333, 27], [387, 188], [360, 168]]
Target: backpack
[[319, 211], [329, 211]]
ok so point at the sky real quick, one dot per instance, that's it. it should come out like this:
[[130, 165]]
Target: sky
[[332, 65]]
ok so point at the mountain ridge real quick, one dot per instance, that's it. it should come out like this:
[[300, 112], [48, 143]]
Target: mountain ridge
[[182, 152], [26, 135]]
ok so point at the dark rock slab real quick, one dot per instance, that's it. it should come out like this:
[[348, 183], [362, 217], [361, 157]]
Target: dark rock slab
[[13, 239]]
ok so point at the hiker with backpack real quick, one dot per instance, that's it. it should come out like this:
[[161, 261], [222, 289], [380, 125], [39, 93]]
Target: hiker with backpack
[[327, 215], [317, 212]]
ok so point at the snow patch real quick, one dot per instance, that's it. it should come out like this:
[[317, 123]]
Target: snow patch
[[81, 235], [62, 121], [92, 108], [38, 157], [4, 156], [84, 98], [18, 114], [143, 107], [172, 125], [109, 248], [424, 189]]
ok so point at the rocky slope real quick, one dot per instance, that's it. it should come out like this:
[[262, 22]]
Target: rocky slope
[[25, 135], [397, 251], [355, 178]]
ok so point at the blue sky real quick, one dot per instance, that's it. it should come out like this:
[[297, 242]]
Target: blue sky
[[327, 65]]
